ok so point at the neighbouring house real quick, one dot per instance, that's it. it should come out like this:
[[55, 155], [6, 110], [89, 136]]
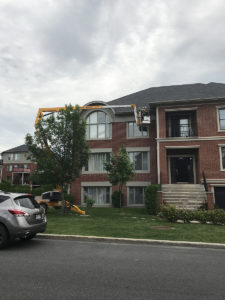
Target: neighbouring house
[[183, 148], [16, 167]]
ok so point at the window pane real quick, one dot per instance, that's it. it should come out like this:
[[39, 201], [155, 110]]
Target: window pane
[[87, 131], [130, 129], [93, 131], [101, 131], [101, 117], [145, 160], [131, 156], [131, 195], [139, 195], [222, 114], [138, 160], [93, 118], [107, 130], [137, 132], [222, 124], [223, 157]]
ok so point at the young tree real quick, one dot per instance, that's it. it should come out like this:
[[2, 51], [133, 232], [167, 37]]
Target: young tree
[[120, 169], [59, 147]]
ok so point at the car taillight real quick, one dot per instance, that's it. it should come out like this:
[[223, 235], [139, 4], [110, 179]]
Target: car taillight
[[18, 213]]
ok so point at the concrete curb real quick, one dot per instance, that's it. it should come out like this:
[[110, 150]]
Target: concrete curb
[[130, 241]]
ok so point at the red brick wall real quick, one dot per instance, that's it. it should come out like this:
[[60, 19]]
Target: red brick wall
[[208, 152], [119, 138]]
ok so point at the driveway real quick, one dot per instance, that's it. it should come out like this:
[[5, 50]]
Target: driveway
[[57, 269]]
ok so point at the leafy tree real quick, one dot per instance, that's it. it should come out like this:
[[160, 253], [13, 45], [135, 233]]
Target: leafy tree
[[59, 147], [120, 169]]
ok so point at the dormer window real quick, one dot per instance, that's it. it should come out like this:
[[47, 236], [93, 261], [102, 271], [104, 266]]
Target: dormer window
[[98, 126]]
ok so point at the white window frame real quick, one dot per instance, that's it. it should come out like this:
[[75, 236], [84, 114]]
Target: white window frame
[[97, 185], [9, 168], [218, 118], [97, 151], [221, 157], [134, 136], [88, 126], [141, 149], [142, 184]]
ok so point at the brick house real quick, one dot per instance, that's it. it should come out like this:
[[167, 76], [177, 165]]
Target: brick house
[[184, 144], [16, 166]]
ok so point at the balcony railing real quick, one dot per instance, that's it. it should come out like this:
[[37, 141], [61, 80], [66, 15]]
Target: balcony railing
[[21, 170], [182, 131]]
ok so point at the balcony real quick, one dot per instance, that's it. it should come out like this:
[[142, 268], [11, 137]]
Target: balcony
[[181, 125], [21, 170]]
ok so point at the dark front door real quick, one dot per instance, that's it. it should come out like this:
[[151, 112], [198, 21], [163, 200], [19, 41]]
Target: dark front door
[[181, 169], [219, 197]]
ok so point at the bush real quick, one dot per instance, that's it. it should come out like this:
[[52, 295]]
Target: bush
[[151, 202], [44, 188], [22, 189], [116, 199], [6, 186], [202, 216], [69, 198], [217, 216], [170, 213], [90, 202], [185, 215]]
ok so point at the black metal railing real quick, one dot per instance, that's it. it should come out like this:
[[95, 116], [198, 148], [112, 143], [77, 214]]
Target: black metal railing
[[205, 182], [182, 131]]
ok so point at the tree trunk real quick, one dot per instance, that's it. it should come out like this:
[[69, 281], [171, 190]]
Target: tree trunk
[[120, 190]]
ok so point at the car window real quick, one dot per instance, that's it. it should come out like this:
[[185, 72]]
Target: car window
[[3, 198], [46, 196], [56, 196], [27, 202]]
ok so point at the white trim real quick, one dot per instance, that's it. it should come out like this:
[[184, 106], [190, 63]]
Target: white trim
[[187, 139], [221, 160], [141, 149], [137, 149], [218, 118], [214, 180], [157, 144], [95, 183], [101, 185], [135, 137], [183, 147], [137, 183], [180, 109], [143, 185], [100, 150]]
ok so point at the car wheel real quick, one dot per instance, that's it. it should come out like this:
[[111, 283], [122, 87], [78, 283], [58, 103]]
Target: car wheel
[[44, 206], [28, 237], [3, 236]]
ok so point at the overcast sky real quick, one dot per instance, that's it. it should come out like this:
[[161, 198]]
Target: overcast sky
[[56, 52]]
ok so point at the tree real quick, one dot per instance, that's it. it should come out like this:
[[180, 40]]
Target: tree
[[120, 169], [59, 147]]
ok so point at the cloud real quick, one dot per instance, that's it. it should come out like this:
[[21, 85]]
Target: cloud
[[56, 52]]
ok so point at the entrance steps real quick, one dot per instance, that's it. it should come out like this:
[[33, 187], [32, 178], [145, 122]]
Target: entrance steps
[[184, 196]]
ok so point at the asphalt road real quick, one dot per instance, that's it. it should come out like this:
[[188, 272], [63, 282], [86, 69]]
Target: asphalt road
[[57, 269]]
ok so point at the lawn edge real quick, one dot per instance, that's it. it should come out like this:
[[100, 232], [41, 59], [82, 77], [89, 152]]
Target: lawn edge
[[130, 240]]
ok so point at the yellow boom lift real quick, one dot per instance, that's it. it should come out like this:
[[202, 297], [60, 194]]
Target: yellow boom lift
[[142, 118]]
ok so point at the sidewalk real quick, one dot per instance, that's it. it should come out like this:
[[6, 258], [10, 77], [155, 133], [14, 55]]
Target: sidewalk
[[132, 241]]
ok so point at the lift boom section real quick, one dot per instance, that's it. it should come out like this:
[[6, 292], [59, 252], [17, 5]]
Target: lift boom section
[[142, 115]]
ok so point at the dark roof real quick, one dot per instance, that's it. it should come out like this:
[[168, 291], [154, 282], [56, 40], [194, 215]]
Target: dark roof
[[183, 92], [22, 148]]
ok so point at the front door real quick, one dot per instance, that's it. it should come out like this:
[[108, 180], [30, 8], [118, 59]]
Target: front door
[[219, 197], [181, 169]]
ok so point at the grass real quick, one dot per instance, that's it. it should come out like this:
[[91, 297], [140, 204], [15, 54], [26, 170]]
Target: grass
[[130, 223]]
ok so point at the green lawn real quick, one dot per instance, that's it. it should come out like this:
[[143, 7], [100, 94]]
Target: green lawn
[[130, 223]]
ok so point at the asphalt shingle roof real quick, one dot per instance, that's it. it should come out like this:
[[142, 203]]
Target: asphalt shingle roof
[[21, 148], [172, 93]]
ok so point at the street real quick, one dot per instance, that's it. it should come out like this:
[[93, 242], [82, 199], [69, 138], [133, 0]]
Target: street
[[57, 269]]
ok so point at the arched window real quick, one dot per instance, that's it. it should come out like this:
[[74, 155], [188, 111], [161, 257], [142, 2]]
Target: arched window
[[98, 126]]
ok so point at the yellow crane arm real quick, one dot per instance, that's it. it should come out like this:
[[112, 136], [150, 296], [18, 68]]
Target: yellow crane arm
[[41, 111]]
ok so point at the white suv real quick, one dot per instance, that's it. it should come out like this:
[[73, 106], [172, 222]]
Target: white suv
[[20, 217]]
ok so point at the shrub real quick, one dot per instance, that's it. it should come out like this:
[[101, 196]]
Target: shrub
[[69, 198], [6, 186], [44, 188], [22, 189], [185, 215], [202, 216], [116, 199], [151, 202], [170, 213], [90, 202], [217, 216]]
